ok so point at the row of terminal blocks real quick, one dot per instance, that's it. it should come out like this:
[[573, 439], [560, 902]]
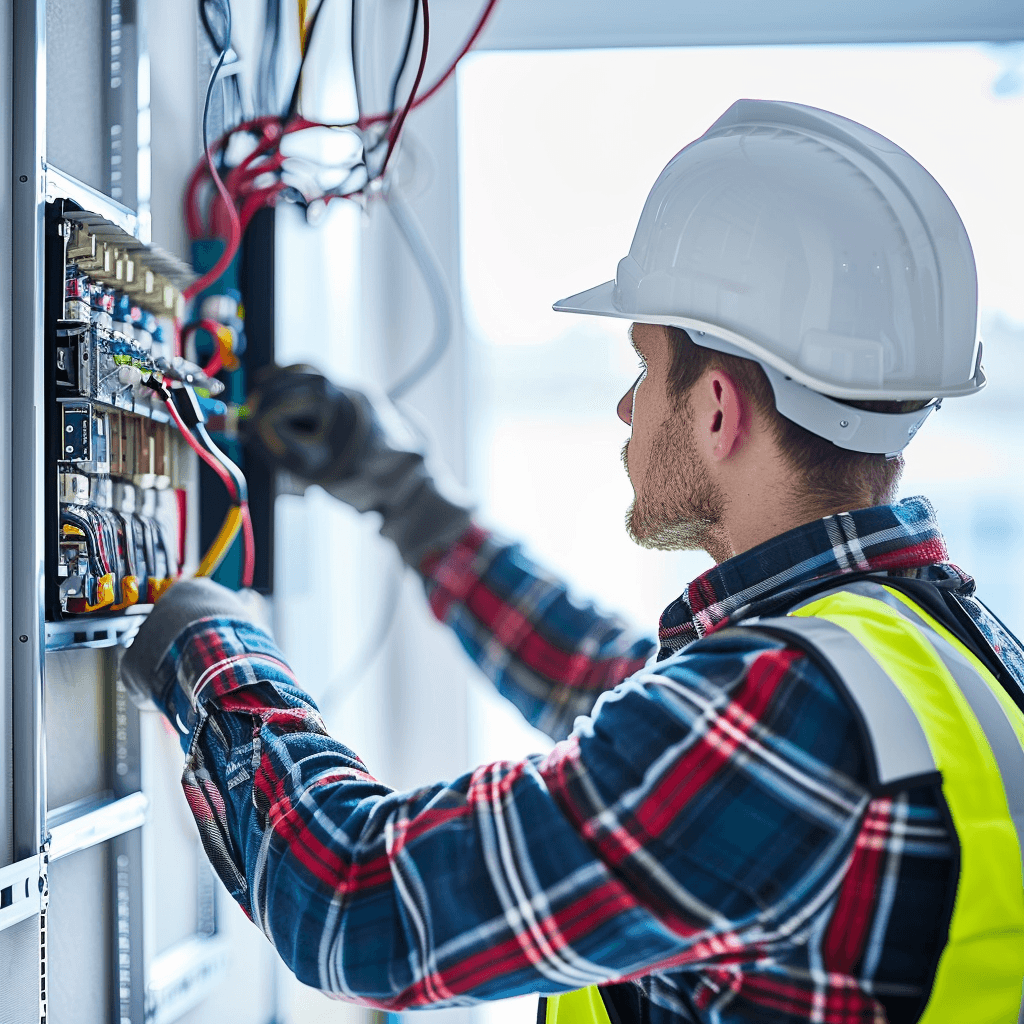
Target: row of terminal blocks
[[137, 449], [122, 466], [116, 260], [117, 553]]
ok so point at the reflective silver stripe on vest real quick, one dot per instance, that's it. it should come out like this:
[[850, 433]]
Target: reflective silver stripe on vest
[[987, 709], [899, 744]]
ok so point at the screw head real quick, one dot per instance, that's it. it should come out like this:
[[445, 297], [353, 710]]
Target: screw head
[[23, 638], [23, 178], [844, 423]]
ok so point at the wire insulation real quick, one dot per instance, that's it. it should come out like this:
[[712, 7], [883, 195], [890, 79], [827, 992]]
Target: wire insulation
[[437, 286], [234, 231], [222, 542]]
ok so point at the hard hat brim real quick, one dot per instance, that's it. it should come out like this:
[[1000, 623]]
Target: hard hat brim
[[597, 301], [600, 301]]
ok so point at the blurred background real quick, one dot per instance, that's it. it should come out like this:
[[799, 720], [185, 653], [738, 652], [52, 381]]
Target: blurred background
[[555, 153]]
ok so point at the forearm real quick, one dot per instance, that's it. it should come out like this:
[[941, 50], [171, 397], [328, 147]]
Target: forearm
[[548, 654], [551, 656], [452, 893], [543, 876]]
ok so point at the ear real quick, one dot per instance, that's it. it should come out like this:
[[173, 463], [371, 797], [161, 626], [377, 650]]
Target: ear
[[722, 414]]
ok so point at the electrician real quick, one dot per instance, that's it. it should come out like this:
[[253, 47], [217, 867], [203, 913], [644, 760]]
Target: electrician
[[805, 802]]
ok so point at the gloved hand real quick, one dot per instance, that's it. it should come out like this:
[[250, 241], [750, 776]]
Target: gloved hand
[[359, 450], [186, 602]]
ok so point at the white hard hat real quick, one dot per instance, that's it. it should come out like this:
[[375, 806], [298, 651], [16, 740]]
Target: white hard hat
[[817, 247]]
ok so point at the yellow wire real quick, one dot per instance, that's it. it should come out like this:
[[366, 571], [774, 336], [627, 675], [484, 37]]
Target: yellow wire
[[302, 27], [222, 542], [225, 341]]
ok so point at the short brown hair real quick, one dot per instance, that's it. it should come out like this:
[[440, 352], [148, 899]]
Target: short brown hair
[[831, 476]]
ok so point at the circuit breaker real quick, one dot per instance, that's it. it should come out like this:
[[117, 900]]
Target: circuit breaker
[[109, 910], [120, 467]]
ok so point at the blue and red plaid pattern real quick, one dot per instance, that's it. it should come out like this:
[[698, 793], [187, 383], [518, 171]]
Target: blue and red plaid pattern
[[705, 830]]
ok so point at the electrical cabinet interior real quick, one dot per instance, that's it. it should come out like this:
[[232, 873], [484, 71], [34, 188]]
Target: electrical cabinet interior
[[118, 465]]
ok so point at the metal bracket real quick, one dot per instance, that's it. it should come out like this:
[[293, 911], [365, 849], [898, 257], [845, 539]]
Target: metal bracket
[[21, 891], [97, 825], [183, 976]]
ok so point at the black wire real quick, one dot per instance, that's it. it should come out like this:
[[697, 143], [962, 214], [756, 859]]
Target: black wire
[[403, 61], [225, 46], [106, 518], [130, 553], [163, 547], [266, 85], [400, 69], [211, 34], [354, 50], [147, 544], [85, 526], [293, 103], [241, 486], [187, 404]]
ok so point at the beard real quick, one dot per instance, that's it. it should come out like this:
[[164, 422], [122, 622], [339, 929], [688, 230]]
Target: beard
[[677, 506]]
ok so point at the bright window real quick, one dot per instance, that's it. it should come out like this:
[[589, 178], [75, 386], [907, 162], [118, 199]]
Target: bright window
[[558, 151]]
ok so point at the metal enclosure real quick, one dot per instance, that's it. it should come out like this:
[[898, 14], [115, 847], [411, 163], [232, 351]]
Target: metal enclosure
[[108, 909]]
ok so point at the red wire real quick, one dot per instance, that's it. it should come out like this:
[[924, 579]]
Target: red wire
[[365, 122], [194, 220], [182, 499], [271, 129], [248, 537], [191, 441], [395, 129], [101, 543], [257, 200], [248, 546], [215, 365], [230, 248]]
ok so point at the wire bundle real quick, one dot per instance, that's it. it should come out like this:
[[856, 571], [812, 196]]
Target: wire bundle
[[265, 176], [260, 178], [238, 519]]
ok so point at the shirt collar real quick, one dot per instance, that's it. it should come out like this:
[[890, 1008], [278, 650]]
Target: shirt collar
[[895, 538]]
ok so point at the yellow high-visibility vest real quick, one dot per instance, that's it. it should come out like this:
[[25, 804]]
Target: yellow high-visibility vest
[[930, 708]]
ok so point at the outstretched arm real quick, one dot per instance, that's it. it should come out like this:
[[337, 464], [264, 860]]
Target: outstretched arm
[[619, 853], [550, 655]]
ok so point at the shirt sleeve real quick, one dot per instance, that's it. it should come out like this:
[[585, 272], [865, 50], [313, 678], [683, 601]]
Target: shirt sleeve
[[676, 828], [549, 654]]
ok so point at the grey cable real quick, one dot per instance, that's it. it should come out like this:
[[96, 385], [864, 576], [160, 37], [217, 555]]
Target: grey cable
[[437, 286]]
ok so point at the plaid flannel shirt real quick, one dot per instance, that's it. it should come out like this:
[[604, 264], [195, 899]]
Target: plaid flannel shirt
[[703, 829]]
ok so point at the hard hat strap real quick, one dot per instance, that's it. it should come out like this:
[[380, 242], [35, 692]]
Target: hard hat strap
[[859, 430]]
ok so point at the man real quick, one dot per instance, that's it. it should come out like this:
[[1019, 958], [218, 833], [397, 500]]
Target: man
[[805, 802]]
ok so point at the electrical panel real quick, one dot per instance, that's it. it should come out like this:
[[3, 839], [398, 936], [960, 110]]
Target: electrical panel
[[120, 467]]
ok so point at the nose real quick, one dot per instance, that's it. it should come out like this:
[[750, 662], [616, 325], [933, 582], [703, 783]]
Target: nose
[[624, 410]]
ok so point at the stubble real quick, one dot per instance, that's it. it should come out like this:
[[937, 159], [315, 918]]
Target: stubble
[[677, 506]]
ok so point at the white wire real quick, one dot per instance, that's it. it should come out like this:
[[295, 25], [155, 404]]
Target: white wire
[[437, 286]]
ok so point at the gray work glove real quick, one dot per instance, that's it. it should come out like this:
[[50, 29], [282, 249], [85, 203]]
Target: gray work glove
[[186, 602], [361, 451]]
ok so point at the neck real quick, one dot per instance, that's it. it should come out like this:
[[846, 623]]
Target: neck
[[754, 515]]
